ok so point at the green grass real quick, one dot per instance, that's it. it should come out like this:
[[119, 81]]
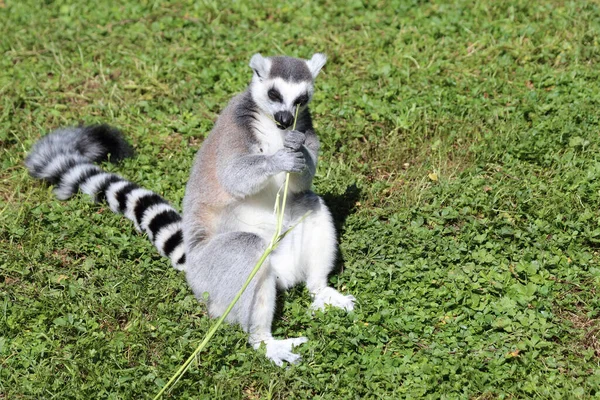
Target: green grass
[[460, 157]]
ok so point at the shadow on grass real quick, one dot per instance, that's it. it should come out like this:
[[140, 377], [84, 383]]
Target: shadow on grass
[[341, 207]]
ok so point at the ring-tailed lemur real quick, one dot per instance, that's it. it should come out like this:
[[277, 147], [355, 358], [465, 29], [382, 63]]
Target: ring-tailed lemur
[[228, 217]]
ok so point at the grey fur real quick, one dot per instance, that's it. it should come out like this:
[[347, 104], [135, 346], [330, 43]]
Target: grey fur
[[294, 140], [290, 69], [227, 260]]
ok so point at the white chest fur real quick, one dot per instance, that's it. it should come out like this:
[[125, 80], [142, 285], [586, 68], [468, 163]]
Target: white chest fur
[[270, 141], [256, 213], [270, 137]]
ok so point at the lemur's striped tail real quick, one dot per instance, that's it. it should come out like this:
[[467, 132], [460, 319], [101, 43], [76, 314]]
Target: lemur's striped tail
[[66, 159]]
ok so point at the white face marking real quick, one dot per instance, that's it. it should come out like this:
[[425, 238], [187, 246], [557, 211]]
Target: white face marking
[[289, 92]]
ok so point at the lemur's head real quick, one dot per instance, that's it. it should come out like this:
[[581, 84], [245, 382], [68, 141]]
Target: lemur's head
[[281, 84]]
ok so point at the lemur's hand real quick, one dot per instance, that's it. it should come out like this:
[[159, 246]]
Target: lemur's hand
[[294, 140], [289, 160]]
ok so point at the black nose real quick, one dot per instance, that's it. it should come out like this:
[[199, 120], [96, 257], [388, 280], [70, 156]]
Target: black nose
[[284, 119]]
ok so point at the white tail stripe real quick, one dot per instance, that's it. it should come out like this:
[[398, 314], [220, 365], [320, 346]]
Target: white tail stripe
[[164, 234], [67, 188], [111, 191], [90, 186], [59, 163], [177, 253], [131, 201], [72, 176], [152, 212]]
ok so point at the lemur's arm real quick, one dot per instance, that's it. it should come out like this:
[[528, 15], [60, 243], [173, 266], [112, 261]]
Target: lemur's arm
[[246, 174]]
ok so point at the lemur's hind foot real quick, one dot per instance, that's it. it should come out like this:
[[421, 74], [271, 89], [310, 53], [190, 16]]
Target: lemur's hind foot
[[280, 350], [331, 297]]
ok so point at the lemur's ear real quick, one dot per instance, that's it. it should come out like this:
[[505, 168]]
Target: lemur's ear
[[260, 65], [316, 63]]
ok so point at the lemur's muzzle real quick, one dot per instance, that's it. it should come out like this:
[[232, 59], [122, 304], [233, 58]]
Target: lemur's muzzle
[[284, 119]]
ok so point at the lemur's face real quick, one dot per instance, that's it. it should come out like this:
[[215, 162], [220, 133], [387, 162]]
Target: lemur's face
[[282, 86]]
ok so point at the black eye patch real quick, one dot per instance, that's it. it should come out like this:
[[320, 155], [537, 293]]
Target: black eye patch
[[274, 95], [301, 100]]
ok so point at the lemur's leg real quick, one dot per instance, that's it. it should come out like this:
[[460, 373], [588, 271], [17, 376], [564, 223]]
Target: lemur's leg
[[220, 268], [308, 252]]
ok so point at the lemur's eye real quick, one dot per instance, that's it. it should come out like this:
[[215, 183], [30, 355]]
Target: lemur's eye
[[274, 95], [301, 100]]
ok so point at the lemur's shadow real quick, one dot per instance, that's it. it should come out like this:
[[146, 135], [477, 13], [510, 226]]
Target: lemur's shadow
[[341, 206]]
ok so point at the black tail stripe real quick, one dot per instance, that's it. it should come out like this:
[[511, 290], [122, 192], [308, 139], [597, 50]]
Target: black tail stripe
[[85, 176], [121, 195], [163, 219], [181, 260], [172, 242], [101, 193], [144, 203]]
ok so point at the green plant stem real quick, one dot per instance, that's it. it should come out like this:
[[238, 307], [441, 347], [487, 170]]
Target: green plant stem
[[285, 187]]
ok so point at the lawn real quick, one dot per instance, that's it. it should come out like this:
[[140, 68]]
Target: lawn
[[460, 157]]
